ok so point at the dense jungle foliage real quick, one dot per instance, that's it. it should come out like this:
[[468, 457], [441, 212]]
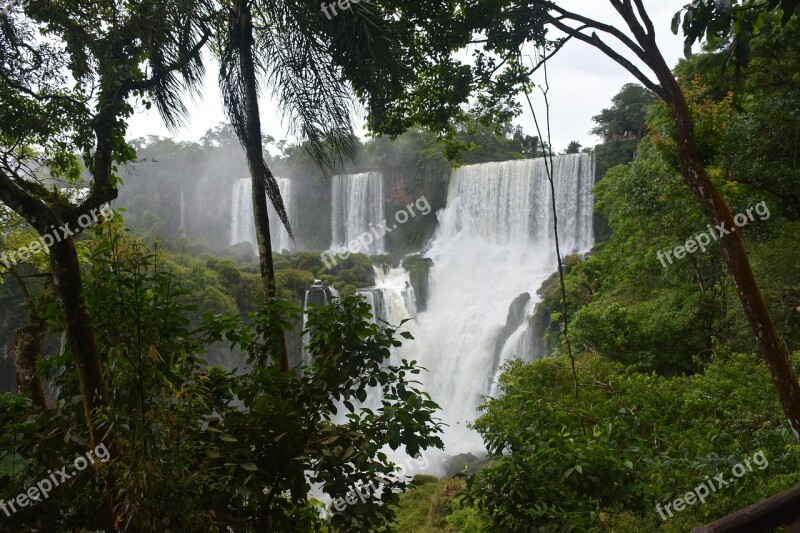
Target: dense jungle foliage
[[206, 432]]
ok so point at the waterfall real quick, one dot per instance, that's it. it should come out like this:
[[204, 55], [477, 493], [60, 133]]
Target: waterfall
[[494, 243], [242, 224], [242, 221], [182, 226], [392, 299], [280, 237], [318, 294], [357, 207]]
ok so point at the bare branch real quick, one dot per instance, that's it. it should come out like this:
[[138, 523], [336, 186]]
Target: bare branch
[[648, 23], [625, 10], [598, 43], [540, 63], [605, 28]]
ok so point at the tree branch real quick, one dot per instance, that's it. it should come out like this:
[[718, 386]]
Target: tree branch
[[648, 23], [625, 10], [598, 43], [36, 214], [605, 28]]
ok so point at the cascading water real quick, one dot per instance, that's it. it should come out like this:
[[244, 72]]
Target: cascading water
[[494, 242], [392, 299], [242, 222], [242, 225], [182, 226], [357, 208], [317, 295], [280, 237]]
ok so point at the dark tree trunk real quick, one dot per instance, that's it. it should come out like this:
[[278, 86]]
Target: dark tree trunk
[[27, 348], [27, 352], [81, 339], [770, 346], [259, 171]]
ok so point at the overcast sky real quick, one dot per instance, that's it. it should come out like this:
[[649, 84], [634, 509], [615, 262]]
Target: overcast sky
[[582, 82]]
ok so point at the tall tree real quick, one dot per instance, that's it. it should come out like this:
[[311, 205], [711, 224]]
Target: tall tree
[[28, 341], [314, 67], [112, 51], [627, 116], [16, 240], [503, 28]]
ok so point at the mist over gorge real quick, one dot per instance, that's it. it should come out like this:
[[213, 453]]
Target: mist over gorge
[[488, 239]]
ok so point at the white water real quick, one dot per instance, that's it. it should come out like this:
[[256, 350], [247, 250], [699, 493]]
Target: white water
[[316, 295], [242, 221], [392, 299], [182, 226], [494, 242], [357, 207]]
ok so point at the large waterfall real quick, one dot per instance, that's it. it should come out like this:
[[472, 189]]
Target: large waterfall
[[242, 222], [494, 243], [357, 208]]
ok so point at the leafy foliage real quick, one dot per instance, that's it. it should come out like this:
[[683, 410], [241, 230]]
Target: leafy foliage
[[630, 440], [203, 448], [626, 116]]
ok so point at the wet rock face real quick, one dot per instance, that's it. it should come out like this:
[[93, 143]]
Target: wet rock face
[[515, 319], [419, 270], [316, 295]]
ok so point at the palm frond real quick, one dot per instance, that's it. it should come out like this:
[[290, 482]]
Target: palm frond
[[172, 38], [307, 85], [233, 90]]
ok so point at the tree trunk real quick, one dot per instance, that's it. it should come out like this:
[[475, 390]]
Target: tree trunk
[[27, 352], [259, 171], [770, 346], [27, 348], [81, 339]]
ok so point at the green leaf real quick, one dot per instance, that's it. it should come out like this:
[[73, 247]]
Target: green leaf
[[676, 23]]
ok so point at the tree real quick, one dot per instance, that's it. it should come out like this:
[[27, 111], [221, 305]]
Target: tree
[[113, 53], [238, 80], [626, 117], [574, 147], [499, 72], [313, 66]]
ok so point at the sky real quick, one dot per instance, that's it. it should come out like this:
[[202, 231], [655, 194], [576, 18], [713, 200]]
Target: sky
[[582, 83]]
